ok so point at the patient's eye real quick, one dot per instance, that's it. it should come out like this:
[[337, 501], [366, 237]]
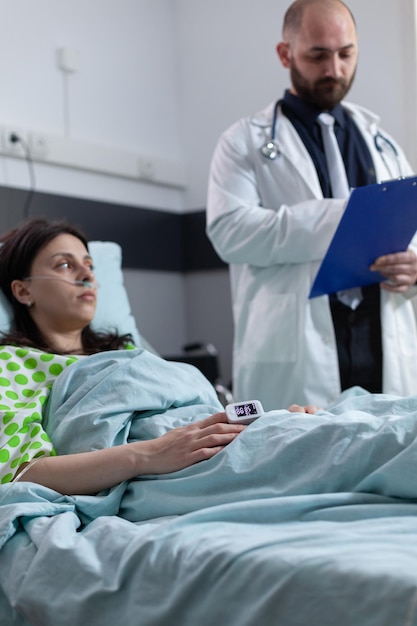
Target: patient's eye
[[73, 264], [63, 265]]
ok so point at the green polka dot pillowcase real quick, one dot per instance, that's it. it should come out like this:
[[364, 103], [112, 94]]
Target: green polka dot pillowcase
[[26, 378]]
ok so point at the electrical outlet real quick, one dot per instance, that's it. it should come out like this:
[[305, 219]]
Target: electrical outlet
[[146, 169], [10, 145], [38, 145]]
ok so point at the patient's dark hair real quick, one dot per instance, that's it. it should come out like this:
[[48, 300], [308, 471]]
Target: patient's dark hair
[[18, 250]]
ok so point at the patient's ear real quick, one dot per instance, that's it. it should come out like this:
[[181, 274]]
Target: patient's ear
[[20, 291]]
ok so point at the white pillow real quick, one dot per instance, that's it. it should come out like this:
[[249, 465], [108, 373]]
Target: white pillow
[[5, 313], [113, 308]]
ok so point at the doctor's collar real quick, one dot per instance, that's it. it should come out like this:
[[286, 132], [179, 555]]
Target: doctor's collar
[[306, 112]]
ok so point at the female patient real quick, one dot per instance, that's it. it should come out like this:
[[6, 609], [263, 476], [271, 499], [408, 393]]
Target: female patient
[[46, 273]]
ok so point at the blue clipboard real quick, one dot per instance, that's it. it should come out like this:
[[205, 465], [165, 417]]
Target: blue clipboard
[[379, 219]]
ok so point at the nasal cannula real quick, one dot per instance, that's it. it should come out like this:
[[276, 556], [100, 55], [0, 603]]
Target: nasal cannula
[[88, 284]]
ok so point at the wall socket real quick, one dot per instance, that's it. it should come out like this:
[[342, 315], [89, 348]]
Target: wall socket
[[66, 152], [38, 145], [146, 169], [10, 147], [32, 145]]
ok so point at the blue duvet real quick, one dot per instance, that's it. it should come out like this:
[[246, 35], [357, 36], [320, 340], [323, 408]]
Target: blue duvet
[[302, 520]]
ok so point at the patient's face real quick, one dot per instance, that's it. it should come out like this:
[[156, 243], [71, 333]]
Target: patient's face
[[59, 303]]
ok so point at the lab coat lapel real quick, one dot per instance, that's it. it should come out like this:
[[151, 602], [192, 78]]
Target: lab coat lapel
[[291, 148]]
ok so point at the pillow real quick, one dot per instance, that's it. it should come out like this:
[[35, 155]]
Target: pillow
[[5, 313], [113, 308]]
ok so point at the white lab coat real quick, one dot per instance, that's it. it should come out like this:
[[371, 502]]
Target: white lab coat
[[269, 221]]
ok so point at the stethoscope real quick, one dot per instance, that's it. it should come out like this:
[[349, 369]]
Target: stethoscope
[[270, 150], [382, 142]]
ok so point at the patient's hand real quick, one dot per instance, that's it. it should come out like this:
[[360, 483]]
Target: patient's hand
[[186, 445], [91, 472], [310, 408]]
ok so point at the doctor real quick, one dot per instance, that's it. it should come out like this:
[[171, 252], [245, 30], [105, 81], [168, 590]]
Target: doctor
[[272, 213]]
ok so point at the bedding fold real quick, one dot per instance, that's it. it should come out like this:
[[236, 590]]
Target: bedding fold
[[301, 519]]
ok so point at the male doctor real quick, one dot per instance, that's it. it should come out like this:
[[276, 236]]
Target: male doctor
[[272, 220]]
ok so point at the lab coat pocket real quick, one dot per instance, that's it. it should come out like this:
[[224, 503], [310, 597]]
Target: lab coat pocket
[[271, 329]]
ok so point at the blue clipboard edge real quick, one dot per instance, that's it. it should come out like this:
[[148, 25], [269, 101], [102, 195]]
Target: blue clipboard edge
[[352, 250]]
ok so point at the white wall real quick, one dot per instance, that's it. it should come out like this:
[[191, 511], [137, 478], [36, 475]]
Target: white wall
[[387, 75], [230, 69], [164, 77], [124, 96]]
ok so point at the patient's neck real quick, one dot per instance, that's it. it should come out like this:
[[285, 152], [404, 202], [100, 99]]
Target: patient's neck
[[65, 343]]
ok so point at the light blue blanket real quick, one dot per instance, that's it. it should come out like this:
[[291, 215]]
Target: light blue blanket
[[301, 520]]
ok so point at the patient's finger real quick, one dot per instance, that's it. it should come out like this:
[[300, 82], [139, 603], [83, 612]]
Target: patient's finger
[[216, 440], [212, 419], [219, 428]]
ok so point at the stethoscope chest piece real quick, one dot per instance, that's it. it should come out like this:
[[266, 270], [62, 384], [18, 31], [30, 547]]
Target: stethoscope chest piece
[[270, 150]]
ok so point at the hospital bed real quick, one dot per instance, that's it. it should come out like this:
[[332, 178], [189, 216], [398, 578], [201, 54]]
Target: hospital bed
[[302, 520]]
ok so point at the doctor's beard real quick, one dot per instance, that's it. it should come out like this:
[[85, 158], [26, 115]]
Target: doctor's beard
[[324, 93]]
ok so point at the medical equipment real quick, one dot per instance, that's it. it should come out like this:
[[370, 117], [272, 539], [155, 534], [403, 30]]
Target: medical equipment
[[380, 142], [270, 149], [88, 284], [244, 412]]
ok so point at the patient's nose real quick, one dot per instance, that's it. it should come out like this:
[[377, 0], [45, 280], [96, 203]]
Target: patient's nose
[[86, 274]]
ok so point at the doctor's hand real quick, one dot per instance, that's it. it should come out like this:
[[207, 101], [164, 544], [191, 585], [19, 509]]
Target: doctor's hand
[[296, 408], [400, 270]]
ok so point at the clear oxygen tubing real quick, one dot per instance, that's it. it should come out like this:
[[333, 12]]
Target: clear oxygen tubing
[[88, 284]]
